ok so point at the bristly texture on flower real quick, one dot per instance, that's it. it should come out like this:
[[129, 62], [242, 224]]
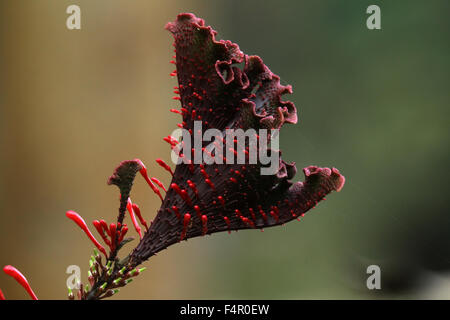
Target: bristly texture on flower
[[214, 89]]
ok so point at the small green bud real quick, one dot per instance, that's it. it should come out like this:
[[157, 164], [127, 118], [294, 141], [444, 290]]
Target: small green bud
[[103, 286], [142, 269], [133, 272], [121, 272], [70, 295]]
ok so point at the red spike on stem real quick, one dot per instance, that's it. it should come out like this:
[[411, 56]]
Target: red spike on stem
[[222, 201], [105, 226], [247, 221], [193, 187], [159, 183], [209, 182], [227, 221], [204, 224], [177, 212], [101, 231], [72, 215], [133, 218], [137, 211], [170, 141], [186, 220], [182, 193], [175, 111], [123, 232], [144, 174], [197, 210]]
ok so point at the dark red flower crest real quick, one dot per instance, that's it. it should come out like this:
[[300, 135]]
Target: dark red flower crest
[[214, 89]]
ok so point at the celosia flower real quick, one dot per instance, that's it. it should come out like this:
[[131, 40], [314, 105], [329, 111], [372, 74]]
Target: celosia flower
[[203, 199]]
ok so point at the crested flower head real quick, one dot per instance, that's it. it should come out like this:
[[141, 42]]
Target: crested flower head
[[221, 88]]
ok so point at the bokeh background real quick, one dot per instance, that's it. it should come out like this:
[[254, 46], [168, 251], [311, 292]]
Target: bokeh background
[[374, 104]]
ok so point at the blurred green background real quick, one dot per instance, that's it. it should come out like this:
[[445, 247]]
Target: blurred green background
[[373, 103]]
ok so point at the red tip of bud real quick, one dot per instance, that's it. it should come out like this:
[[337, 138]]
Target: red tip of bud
[[175, 111], [98, 226], [222, 201], [175, 187], [2, 297], [177, 212], [208, 181], [170, 140], [123, 232], [204, 224], [186, 220], [197, 210], [227, 221], [193, 187], [20, 278], [182, 193], [105, 226]]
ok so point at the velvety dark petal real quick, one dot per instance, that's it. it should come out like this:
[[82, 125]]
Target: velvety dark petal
[[204, 199], [213, 87]]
